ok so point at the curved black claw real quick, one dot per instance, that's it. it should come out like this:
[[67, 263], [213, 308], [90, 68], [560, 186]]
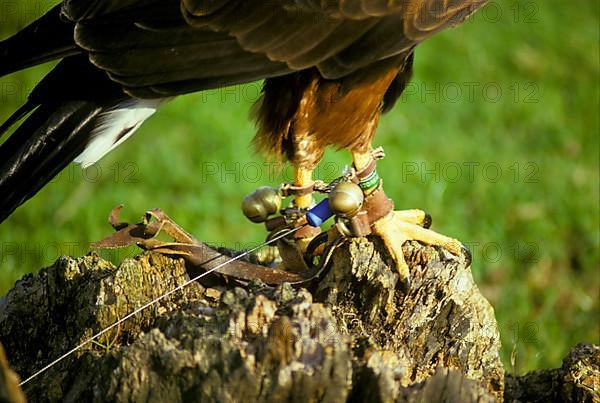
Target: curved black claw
[[427, 220], [467, 254], [405, 285]]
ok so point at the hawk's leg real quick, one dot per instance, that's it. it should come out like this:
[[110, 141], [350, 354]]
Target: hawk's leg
[[303, 179], [304, 200], [397, 227]]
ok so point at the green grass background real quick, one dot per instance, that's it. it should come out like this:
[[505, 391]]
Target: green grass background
[[497, 138]]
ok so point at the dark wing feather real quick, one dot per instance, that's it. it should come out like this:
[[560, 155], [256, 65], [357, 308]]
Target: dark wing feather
[[46, 39], [86, 10], [200, 44], [352, 9]]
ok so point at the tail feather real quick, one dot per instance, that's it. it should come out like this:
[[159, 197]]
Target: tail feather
[[18, 115], [53, 138], [48, 38], [63, 110], [75, 113]]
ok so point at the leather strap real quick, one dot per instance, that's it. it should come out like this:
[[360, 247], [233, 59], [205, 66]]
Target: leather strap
[[377, 204], [366, 171]]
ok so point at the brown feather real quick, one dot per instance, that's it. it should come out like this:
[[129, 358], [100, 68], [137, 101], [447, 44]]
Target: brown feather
[[302, 113]]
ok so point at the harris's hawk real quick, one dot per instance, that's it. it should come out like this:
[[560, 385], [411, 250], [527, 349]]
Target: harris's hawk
[[331, 67]]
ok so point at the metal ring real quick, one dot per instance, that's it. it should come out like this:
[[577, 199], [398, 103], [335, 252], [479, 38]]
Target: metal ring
[[317, 241]]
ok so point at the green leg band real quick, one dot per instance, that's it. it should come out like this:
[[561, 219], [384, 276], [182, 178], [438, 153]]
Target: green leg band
[[370, 182]]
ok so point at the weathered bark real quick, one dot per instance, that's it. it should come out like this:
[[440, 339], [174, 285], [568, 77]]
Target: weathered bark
[[444, 321], [578, 380], [353, 336]]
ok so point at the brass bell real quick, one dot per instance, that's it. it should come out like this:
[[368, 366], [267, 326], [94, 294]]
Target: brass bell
[[270, 198], [346, 199], [260, 204]]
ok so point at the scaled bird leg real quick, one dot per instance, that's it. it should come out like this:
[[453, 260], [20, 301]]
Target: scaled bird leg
[[303, 179], [397, 227], [304, 200]]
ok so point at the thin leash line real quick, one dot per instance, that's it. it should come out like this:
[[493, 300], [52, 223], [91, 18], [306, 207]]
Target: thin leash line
[[154, 301]]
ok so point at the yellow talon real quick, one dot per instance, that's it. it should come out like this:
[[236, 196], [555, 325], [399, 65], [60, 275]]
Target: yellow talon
[[394, 229]]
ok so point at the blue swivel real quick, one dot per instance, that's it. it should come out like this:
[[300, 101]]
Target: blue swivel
[[319, 214]]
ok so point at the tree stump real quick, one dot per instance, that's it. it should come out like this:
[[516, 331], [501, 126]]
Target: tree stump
[[353, 336]]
